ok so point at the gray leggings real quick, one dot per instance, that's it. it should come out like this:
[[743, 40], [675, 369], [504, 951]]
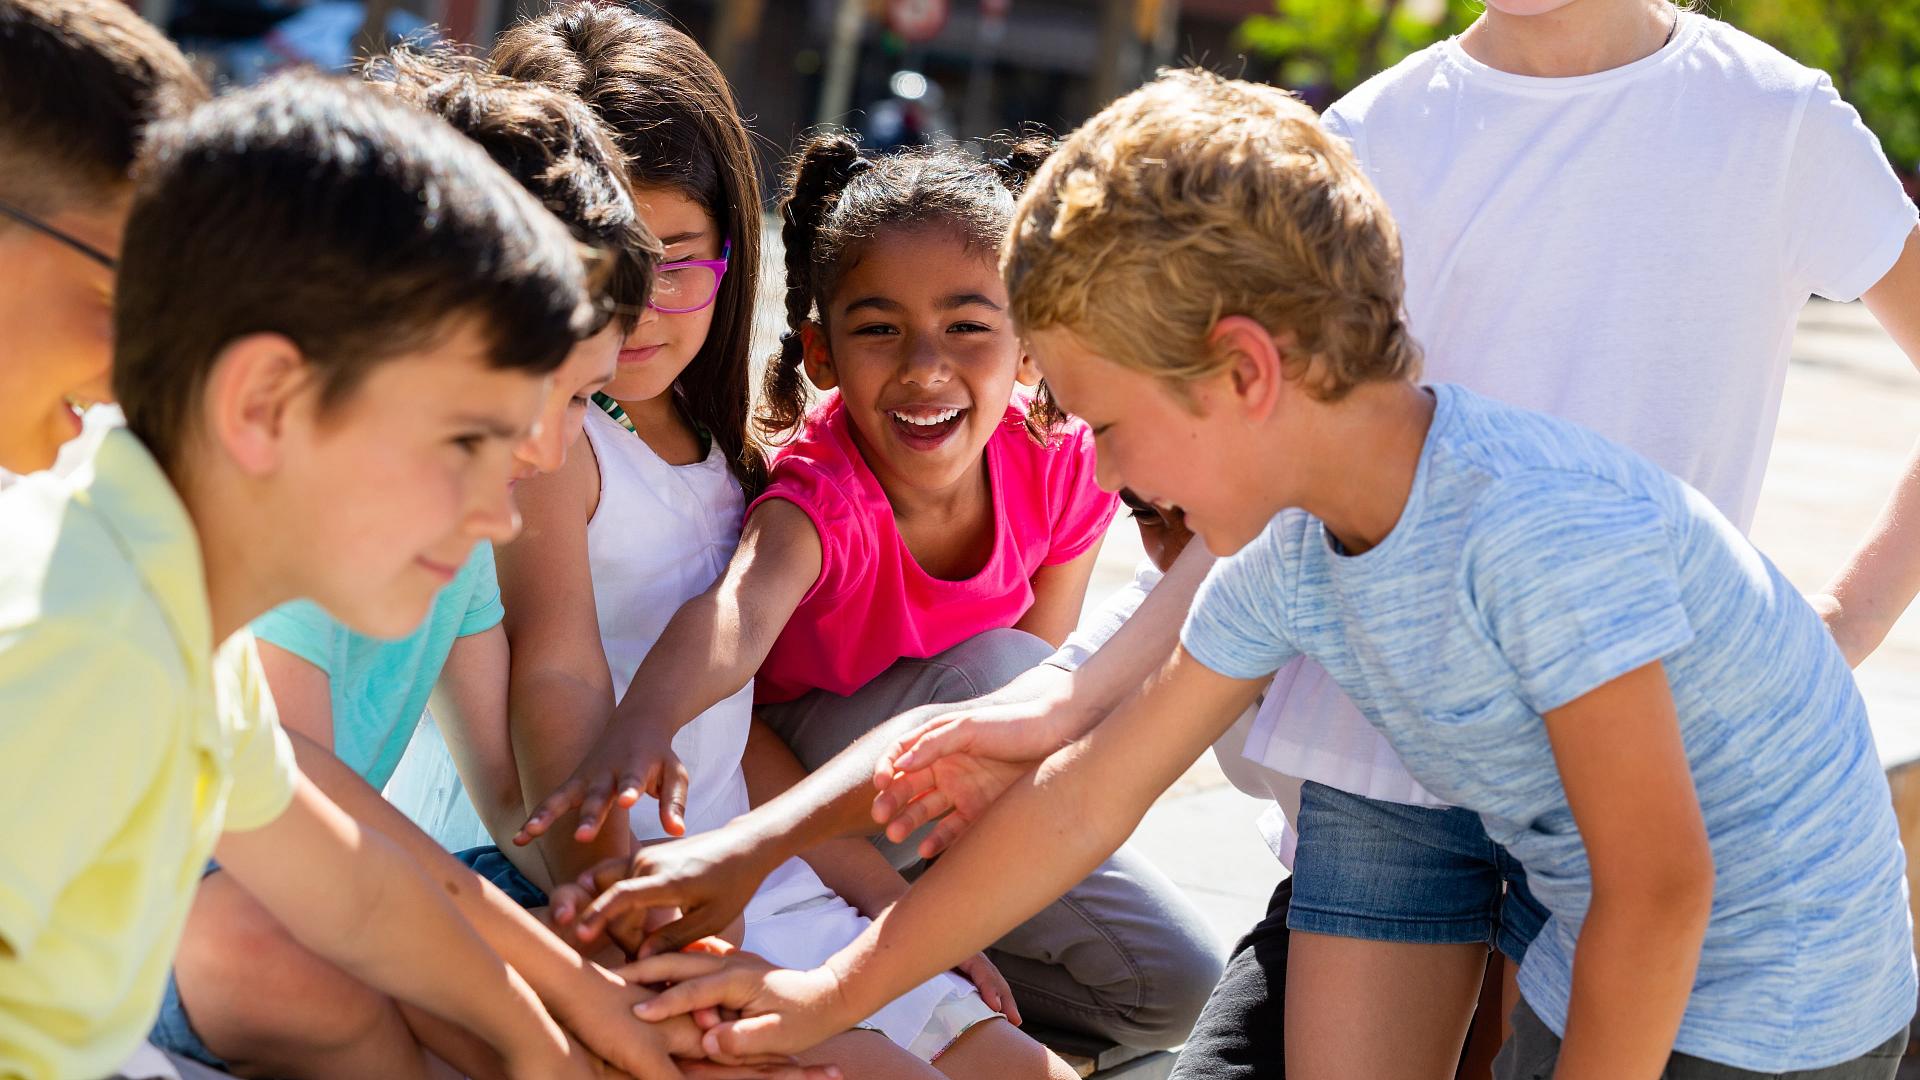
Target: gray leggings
[[1124, 955], [1534, 1049]]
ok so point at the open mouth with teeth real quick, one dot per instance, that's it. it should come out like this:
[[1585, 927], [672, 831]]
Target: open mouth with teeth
[[925, 427]]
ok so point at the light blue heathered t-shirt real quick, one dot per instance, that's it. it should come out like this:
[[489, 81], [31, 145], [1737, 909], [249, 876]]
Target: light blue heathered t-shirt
[[1535, 561], [380, 687]]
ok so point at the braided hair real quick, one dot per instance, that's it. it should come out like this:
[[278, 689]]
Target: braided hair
[[836, 199]]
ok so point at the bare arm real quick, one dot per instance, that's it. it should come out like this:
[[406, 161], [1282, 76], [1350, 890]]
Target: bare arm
[[712, 876], [709, 650], [559, 692], [1631, 791], [1076, 809], [1879, 581], [1059, 592], [470, 709], [589, 1000], [350, 895]]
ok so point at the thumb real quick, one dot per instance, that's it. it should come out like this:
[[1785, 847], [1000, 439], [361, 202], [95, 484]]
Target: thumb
[[748, 1036]]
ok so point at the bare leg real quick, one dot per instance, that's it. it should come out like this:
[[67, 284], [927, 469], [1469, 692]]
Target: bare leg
[[269, 1007], [1382, 1010], [996, 1050], [869, 1055]]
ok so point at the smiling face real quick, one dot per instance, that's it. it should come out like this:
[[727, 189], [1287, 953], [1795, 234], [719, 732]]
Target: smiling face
[[56, 318], [919, 344], [661, 345], [587, 369], [1195, 448], [382, 498]]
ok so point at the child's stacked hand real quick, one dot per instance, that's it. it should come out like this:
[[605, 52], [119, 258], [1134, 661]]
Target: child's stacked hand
[[624, 765], [953, 767]]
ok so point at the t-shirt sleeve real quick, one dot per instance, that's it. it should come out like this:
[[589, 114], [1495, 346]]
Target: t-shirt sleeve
[[77, 754], [304, 629], [1099, 626], [1082, 511], [1236, 626], [1849, 216], [262, 764], [1576, 580], [484, 610], [846, 535]]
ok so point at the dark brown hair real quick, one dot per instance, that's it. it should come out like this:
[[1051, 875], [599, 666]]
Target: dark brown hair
[[838, 200], [356, 226], [79, 79], [550, 142], [675, 119]]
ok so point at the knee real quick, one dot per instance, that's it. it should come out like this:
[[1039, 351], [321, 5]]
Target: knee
[[260, 999], [1183, 977], [988, 661]]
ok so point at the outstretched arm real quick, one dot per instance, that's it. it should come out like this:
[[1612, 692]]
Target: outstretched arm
[[1879, 581], [987, 742], [713, 645], [1079, 806]]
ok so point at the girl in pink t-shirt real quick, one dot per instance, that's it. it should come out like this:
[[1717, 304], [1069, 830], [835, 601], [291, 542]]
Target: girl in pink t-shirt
[[924, 508]]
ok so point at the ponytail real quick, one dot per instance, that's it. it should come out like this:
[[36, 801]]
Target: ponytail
[[819, 173]]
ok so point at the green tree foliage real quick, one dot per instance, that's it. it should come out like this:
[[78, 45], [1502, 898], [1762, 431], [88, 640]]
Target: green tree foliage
[[1870, 47]]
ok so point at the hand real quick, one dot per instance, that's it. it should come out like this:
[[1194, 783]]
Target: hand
[[598, 1011], [710, 878], [779, 1011], [961, 759], [565, 1058], [993, 987], [622, 766]]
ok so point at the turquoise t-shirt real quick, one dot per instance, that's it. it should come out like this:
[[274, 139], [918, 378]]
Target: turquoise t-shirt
[[381, 686]]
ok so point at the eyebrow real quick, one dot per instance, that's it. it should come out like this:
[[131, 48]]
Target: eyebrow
[[945, 303], [491, 425]]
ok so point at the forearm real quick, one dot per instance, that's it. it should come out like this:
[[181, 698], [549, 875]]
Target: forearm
[[1632, 974], [555, 718], [856, 871], [1119, 667], [967, 900], [1881, 578], [549, 965]]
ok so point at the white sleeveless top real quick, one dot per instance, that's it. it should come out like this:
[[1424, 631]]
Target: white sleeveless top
[[662, 535]]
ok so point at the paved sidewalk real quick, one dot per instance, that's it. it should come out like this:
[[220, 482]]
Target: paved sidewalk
[[1850, 415]]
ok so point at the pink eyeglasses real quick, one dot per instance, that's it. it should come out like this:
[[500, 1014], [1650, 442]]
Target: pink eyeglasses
[[690, 284]]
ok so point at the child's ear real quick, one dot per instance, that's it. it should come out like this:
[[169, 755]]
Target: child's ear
[[1255, 362], [1028, 373], [250, 393], [817, 357]]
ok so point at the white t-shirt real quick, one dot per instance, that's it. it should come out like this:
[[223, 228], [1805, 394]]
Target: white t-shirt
[[1627, 250], [1230, 750]]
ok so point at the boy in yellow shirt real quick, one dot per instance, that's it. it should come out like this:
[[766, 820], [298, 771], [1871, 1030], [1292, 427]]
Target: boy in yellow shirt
[[333, 323]]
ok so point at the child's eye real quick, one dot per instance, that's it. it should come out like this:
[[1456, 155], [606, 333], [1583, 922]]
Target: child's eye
[[579, 403], [469, 444], [970, 328], [875, 329]]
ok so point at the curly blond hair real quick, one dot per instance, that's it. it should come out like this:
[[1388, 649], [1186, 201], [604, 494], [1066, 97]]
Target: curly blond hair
[[1196, 197]]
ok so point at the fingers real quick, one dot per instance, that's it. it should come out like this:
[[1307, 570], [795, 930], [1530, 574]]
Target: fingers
[[564, 798], [628, 895], [565, 901], [645, 1061], [695, 926], [943, 835], [900, 792], [673, 795], [781, 1070], [672, 968], [928, 807], [736, 1039], [933, 742], [600, 800], [730, 988]]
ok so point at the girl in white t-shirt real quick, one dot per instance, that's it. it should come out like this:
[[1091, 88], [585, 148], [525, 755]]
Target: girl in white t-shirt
[[1612, 211]]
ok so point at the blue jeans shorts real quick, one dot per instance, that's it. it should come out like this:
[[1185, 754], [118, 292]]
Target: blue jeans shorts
[[489, 863], [1383, 871], [172, 1029]]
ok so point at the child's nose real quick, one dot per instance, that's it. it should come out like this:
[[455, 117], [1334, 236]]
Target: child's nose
[[926, 364], [495, 517], [544, 449]]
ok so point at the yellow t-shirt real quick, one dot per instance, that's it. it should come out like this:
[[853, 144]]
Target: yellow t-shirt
[[127, 744]]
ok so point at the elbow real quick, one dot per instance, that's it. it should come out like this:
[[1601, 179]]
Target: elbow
[[1673, 891]]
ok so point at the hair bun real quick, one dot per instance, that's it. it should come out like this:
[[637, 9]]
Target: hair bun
[[1030, 149]]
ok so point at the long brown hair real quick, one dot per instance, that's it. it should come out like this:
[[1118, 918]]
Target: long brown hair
[[675, 120]]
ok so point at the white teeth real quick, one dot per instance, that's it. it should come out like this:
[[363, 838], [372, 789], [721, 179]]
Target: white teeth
[[940, 417]]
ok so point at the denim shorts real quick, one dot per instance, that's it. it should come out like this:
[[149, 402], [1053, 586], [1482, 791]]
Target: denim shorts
[[489, 863], [173, 1029], [1383, 871]]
